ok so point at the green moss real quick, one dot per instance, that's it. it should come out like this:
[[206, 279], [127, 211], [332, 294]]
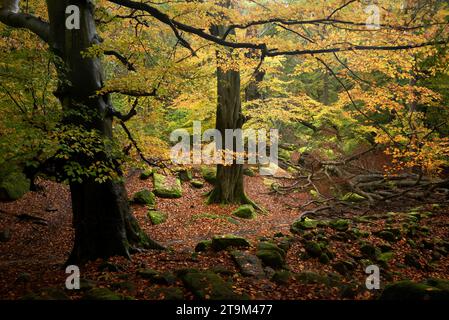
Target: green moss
[[271, 258], [282, 277], [157, 217], [197, 183], [203, 245], [340, 224], [102, 294], [352, 197], [165, 189], [209, 174], [145, 196], [146, 174], [408, 290], [245, 212], [223, 242], [303, 224]]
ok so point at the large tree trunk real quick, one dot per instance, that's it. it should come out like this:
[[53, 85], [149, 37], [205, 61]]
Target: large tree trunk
[[104, 225], [229, 183]]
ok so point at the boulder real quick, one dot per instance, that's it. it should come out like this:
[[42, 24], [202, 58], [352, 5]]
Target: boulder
[[145, 197], [282, 277], [170, 293], [185, 175], [207, 285], [102, 294], [146, 174], [203, 245], [248, 264], [223, 242], [409, 290], [340, 224], [245, 212], [303, 224], [197, 183], [167, 187], [157, 217], [271, 255]]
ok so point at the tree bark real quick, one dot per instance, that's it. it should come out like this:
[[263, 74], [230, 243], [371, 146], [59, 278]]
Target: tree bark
[[102, 219], [229, 183]]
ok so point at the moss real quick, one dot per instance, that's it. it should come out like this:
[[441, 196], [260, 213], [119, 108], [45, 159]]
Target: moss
[[197, 183], [313, 249], [165, 189], [408, 290], [265, 245], [309, 277], [282, 277], [324, 258], [145, 196], [249, 172], [271, 258], [146, 174], [385, 257], [13, 186], [245, 212], [157, 217], [209, 174], [340, 224], [352, 197], [203, 245], [208, 285], [171, 293], [185, 175], [303, 224], [223, 242], [369, 251]]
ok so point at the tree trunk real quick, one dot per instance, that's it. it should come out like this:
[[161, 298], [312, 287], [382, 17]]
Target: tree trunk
[[102, 219], [229, 183]]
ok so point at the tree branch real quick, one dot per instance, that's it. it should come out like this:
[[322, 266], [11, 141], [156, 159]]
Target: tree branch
[[10, 16]]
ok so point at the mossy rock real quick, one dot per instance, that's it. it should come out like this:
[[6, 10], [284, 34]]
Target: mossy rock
[[223, 242], [385, 257], [409, 290], [13, 186], [185, 175], [164, 188], [344, 267], [352, 197], [387, 235], [340, 224], [313, 249], [209, 174], [249, 172], [102, 294], [146, 174], [412, 259], [282, 277], [245, 212], [157, 217], [369, 251], [208, 285], [266, 245], [147, 273], [300, 226], [197, 183], [203, 245], [309, 277], [145, 197], [324, 258], [170, 293]]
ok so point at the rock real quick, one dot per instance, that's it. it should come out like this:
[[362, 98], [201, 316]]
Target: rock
[[340, 224], [126, 285], [146, 174], [348, 290], [409, 290], [197, 183], [412, 260], [344, 267], [185, 175], [102, 294], [157, 217], [386, 235], [5, 235], [438, 283], [167, 187], [385, 248], [304, 224], [271, 257], [13, 186], [245, 212], [273, 170], [207, 285], [165, 278], [203, 245], [223, 242], [249, 172], [309, 277], [209, 174], [248, 264], [385, 257], [145, 197], [170, 293], [369, 251], [266, 245], [324, 258], [147, 273], [47, 294], [282, 277], [313, 249]]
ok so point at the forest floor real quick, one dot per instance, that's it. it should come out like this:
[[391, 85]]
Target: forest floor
[[31, 261]]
